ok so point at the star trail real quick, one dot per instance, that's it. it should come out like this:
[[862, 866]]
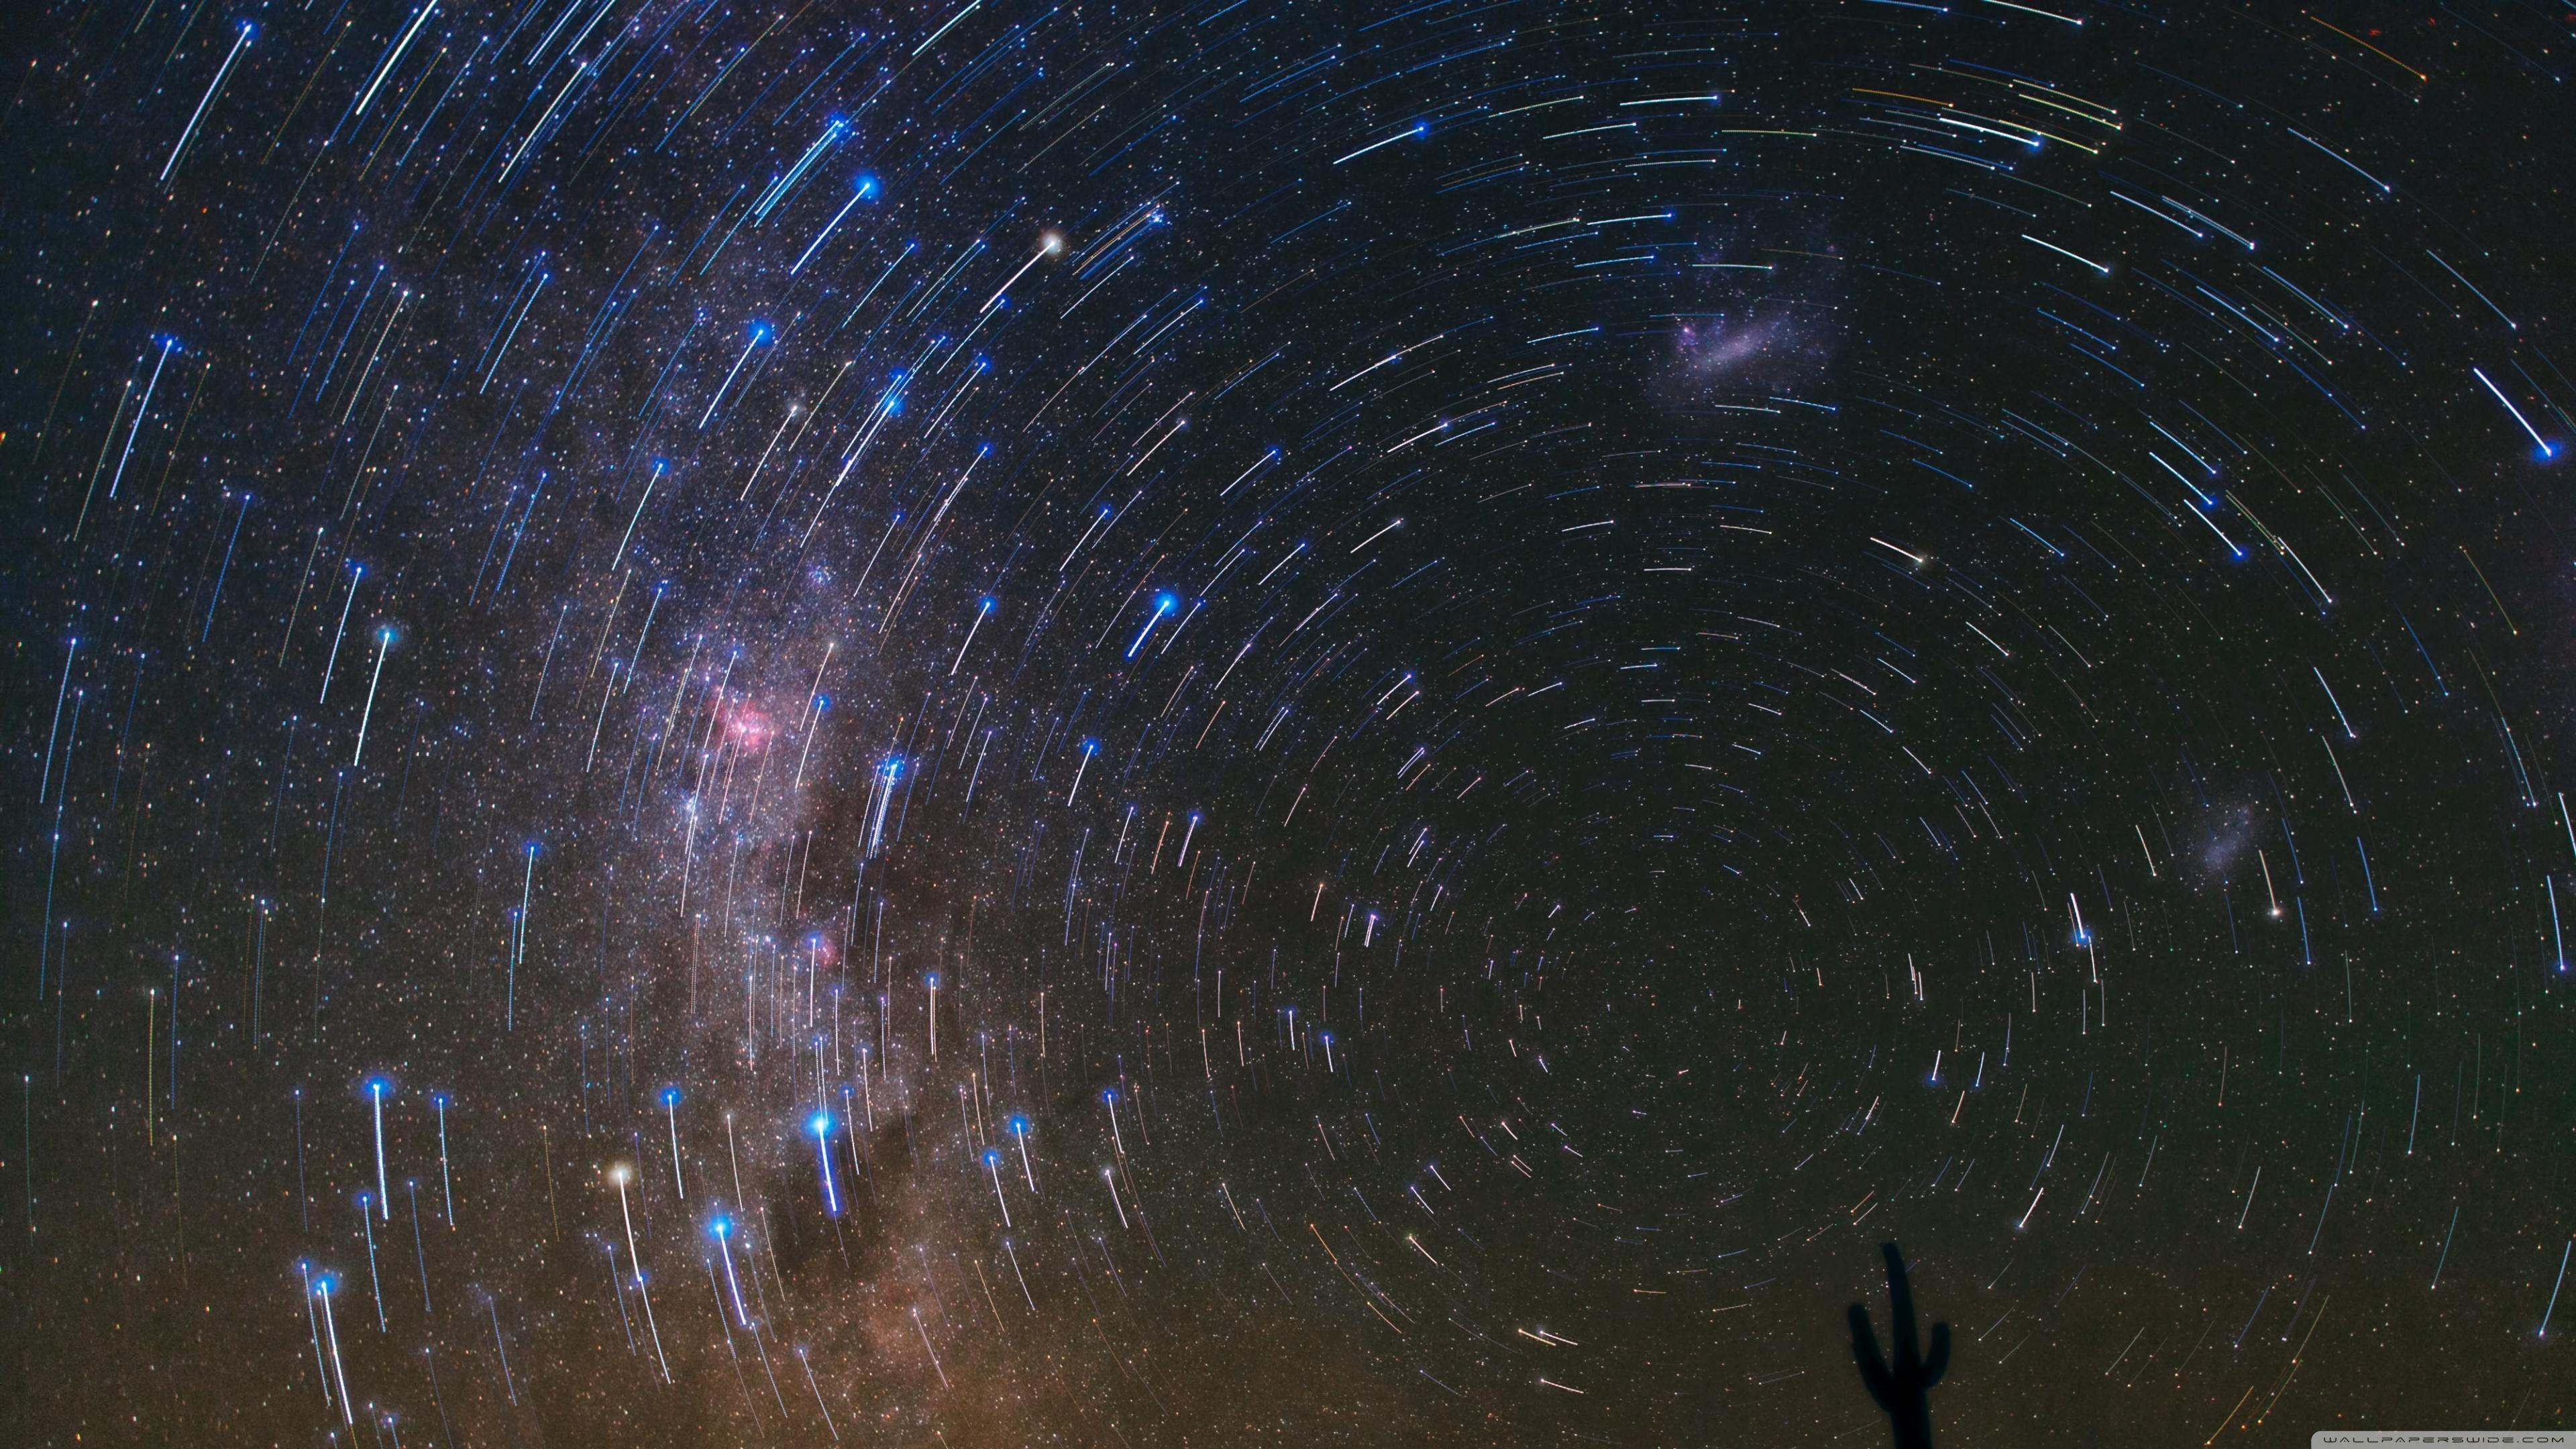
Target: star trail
[[1051, 722]]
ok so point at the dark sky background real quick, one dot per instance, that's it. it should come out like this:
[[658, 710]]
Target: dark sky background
[[1458, 694]]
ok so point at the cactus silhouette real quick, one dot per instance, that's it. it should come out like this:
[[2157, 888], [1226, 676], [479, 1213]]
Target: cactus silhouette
[[1904, 1389]]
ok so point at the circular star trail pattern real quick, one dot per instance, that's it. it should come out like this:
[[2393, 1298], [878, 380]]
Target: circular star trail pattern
[[1245, 723]]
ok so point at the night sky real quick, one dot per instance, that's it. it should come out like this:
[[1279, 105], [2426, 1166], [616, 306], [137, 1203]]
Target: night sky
[[1108, 724]]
